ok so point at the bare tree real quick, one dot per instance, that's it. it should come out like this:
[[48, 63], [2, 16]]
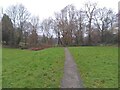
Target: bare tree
[[67, 24], [104, 20], [70, 26], [90, 9], [27, 31], [57, 27], [33, 39], [19, 15], [79, 32], [35, 25], [12, 12], [47, 28]]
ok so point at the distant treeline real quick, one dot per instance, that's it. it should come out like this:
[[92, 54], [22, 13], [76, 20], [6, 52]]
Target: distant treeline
[[87, 26]]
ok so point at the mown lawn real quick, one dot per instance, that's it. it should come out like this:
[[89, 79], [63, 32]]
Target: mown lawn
[[0, 67], [98, 66], [32, 69]]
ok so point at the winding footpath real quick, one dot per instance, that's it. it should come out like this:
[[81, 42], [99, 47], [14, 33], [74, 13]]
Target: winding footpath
[[71, 78]]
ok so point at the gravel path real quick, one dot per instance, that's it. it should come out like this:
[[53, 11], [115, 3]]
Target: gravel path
[[71, 78]]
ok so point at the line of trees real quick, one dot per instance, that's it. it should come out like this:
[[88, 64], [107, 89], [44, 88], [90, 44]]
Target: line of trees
[[88, 26]]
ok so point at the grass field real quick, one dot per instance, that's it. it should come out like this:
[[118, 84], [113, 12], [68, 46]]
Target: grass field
[[32, 69], [0, 67], [98, 66]]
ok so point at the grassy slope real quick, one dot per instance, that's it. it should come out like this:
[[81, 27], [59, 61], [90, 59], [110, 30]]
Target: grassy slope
[[23, 68], [98, 66]]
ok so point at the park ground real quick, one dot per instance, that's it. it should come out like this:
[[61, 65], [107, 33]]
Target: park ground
[[98, 67]]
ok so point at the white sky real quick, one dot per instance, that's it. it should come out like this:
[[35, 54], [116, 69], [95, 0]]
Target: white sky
[[46, 8]]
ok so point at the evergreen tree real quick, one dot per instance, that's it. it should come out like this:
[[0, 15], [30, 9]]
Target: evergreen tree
[[7, 30]]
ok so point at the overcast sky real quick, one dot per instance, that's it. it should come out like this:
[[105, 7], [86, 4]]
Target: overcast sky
[[46, 8]]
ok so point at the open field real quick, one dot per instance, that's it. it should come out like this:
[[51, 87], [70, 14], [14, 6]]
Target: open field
[[32, 69], [98, 66], [0, 67]]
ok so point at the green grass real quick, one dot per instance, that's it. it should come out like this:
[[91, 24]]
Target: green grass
[[98, 66], [32, 69], [0, 67], [119, 67]]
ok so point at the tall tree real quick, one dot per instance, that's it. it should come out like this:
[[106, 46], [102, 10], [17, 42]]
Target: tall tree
[[57, 27], [104, 20], [79, 32], [66, 24], [19, 15], [34, 26], [47, 28], [7, 30], [90, 9]]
